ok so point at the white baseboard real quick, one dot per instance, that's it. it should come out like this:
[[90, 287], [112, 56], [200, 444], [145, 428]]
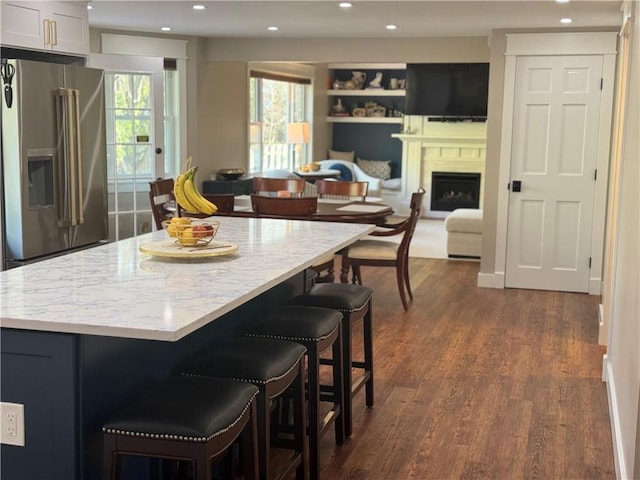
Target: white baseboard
[[614, 418], [491, 280], [595, 286]]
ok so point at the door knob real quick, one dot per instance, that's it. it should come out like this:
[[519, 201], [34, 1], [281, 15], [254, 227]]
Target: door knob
[[158, 150], [516, 186]]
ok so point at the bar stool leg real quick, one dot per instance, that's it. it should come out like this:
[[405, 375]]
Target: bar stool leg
[[314, 401], [264, 433], [316, 424], [347, 331], [250, 446], [338, 366], [368, 354], [300, 427]]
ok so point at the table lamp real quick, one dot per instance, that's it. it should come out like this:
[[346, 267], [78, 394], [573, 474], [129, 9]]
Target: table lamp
[[298, 134]]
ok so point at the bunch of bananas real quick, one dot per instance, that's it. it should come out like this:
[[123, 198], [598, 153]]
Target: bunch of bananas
[[188, 196]]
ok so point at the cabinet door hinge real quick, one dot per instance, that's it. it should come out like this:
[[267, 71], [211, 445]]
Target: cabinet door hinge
[[601, 83], [595, 175], [589, 262]]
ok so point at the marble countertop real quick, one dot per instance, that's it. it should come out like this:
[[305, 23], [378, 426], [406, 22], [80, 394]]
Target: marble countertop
[[115, 290]]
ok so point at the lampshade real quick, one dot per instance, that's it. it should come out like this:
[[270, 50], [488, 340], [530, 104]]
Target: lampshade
[[255, 132], [298, 132]]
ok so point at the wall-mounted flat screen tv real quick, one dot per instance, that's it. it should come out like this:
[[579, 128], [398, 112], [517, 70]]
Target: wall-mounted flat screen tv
[[447, 89]]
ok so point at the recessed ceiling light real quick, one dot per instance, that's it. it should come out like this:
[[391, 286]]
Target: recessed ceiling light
[[345, 5], [89, 7], [391, 27], [563, 1], [198, 7], [566, 20], [272, 28], [166, 29]]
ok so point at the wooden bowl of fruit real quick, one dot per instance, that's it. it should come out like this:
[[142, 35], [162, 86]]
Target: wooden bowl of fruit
[[190, 232]]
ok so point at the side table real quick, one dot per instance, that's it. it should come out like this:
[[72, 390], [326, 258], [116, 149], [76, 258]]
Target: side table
[[243, 186], [311, 177]]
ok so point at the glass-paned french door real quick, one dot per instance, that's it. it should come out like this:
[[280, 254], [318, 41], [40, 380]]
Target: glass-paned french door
[[130, 155], [135, 139]]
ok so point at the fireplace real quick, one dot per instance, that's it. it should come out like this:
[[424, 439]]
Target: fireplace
[[451, 190]]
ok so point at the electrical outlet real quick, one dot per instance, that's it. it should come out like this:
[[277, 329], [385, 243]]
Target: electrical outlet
[[12, 424]]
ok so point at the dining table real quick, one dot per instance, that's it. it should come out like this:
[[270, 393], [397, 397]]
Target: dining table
[[312, 175], [371, 211]]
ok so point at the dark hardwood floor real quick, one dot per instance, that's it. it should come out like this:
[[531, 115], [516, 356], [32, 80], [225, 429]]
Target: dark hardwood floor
[[477, 383]]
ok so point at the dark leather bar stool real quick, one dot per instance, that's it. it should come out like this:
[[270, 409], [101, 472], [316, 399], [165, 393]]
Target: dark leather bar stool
[[354, 302], [318, 329], [274, 366], [185, 418]]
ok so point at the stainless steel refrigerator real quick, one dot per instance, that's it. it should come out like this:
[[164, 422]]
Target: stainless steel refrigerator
[[54, 159]]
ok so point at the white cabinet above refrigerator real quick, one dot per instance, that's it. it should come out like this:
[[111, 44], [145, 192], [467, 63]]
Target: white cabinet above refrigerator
[[60, 27]]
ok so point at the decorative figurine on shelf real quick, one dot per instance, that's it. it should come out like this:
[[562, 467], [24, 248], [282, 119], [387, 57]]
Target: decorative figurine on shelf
[[391, 110], [358, 80], [349, 85], [338, 109], [376, 82]]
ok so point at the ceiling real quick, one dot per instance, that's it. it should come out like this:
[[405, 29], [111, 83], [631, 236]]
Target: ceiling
[[366, 19]]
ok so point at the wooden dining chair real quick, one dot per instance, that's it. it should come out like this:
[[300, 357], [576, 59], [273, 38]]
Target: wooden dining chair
[[300, 208], [381, 253], [224, 201], [342, 189], [272, 186], [160, 194]]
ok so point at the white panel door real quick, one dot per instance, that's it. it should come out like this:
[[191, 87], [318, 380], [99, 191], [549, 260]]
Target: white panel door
[[555, 139]]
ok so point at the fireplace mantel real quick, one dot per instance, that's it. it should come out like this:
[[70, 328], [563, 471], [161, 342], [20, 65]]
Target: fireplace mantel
[[411, 137], [438, 146]]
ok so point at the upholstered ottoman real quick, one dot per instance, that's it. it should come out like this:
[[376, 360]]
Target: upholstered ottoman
[[464, 233]]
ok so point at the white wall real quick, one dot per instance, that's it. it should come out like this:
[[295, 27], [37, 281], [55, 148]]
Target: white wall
[[314, 53], [365, 50], [622, 365]]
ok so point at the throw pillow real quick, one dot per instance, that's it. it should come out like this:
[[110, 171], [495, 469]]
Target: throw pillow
[[346, 156], [345, 172], [375, 168]]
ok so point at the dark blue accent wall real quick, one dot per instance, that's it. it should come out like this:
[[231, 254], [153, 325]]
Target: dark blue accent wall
[[371, 141]]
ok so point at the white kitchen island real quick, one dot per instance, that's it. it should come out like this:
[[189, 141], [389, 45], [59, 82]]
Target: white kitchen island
[[82, 333]]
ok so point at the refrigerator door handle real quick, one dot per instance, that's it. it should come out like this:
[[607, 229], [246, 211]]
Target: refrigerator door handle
[[73, 212], [78, 156]]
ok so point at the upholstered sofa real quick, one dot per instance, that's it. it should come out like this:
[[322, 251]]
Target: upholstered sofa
[[358, 175], [389, 189]]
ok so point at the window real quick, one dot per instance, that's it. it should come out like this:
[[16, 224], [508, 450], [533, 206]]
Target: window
[[276, 101]]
